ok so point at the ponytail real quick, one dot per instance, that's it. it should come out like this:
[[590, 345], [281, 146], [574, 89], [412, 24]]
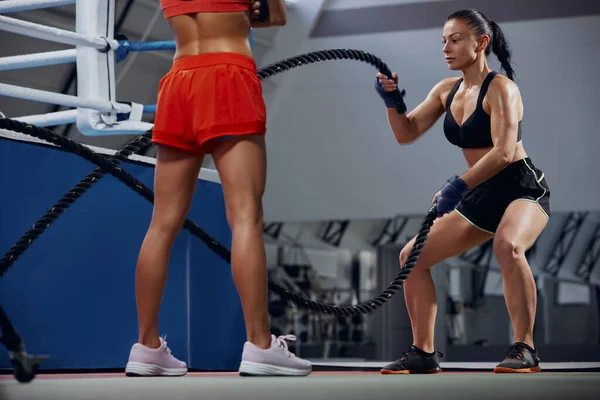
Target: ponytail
[[501, 49], [480, 24]]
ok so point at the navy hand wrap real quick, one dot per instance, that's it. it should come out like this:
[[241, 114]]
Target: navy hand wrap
[[263, 10], [450, 195], [393, 99]]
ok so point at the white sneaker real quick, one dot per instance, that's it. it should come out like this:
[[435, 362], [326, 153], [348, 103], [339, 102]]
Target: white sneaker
[[144, 361], [276, 360]]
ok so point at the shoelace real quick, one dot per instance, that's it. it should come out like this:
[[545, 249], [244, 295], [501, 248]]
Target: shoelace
[[163, 344], [406, 354], [515, 351], [281, 341]]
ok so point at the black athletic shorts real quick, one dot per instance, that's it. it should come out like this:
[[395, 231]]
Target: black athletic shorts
[[484, 205]]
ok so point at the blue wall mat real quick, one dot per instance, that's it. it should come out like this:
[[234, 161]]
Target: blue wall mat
[[71, 295]]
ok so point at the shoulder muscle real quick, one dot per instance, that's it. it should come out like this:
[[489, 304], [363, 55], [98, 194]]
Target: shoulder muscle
[[503, 95]]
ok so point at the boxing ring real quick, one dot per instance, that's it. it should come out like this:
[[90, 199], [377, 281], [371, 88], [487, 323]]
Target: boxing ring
[[85, 313], [96, 112]]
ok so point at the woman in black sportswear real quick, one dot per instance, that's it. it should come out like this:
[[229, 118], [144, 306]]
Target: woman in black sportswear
[[502, 195]]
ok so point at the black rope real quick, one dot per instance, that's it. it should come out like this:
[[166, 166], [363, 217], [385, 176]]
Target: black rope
[[110, 165], [323, 55], [9, 337], [135, 146]]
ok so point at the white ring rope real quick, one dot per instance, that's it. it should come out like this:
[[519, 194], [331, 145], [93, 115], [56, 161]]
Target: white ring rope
[[50, 119], [61, 99], [53, 34], [95, 110], [8, 6], [38, 59]]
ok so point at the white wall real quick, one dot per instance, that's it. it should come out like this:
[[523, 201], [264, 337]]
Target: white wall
[[332, 155]]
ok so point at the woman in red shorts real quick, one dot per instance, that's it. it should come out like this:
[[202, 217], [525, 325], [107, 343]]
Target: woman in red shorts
[[210, 102]]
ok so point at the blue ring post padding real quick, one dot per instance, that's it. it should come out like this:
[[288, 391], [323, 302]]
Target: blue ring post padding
[[150, 109], [72, 294]]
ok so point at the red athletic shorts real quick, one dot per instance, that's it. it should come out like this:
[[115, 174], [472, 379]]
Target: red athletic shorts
[[206, 97]]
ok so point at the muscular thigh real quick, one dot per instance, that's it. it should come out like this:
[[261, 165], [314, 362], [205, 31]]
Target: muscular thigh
[[521, 225], [241, 163], [175, 180], [449, 236]]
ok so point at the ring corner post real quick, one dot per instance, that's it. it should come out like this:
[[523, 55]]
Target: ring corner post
[[95, 68]]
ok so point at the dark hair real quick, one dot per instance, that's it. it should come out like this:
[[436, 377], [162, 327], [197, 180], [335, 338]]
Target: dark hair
[[480, 25]]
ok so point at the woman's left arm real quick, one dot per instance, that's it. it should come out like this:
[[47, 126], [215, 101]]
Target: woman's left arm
[[503, 99]]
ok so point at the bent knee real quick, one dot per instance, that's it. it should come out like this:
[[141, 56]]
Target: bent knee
[[422, 260], [405, 256], [507, 250]]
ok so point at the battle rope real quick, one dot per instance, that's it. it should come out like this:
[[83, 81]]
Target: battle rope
[[110, 166], [135, 146]]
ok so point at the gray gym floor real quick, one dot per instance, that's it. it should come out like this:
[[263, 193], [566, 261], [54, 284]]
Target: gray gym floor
[[347, 385]]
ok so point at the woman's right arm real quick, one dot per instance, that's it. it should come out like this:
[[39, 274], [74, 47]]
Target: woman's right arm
[[408, 127]]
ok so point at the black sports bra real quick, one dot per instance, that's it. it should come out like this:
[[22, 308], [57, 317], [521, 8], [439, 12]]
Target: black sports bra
[[476, 131]]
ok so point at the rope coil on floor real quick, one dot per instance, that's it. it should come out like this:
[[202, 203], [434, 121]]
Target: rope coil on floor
[[111, 165]]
